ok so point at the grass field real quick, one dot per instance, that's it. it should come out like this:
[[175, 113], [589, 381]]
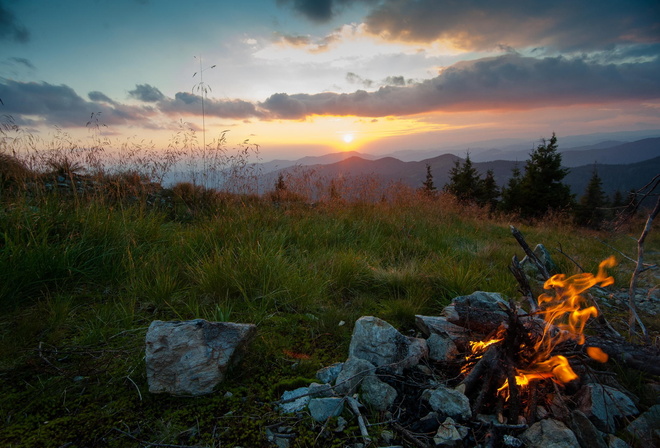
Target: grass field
[[80, 281]]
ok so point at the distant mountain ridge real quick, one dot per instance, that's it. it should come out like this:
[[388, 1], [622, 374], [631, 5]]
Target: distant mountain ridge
[[621, 177]]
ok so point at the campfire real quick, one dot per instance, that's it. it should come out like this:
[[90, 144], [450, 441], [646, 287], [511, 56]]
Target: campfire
[[508, 366], [489, 373]]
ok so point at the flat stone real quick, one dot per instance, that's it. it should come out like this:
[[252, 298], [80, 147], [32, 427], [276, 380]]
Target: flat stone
[[450, 434], [294, 400], [614, 442], [192, 357], [317, 390], [604, 405], [329, 374], [480, 311], [429, 325], [449, 402], [322, 409], [646, 428], [549, 433], [585, 431]]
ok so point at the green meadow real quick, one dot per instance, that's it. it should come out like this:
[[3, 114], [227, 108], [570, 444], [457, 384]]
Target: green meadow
[[82, 275]]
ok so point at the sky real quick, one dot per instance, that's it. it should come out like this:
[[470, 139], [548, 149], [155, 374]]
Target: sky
[[310, 77]]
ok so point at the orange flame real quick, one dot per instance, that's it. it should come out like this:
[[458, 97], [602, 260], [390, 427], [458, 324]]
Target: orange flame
[[563, 311]]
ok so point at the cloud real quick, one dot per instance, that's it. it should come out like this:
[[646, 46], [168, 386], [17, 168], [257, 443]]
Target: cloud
[[395, 81], [353, 78], [185, 103], [10, 27], [477, 25], [146, 93], [60, 105], [100, 97], [315, 10], [23, 61], [505, 82]]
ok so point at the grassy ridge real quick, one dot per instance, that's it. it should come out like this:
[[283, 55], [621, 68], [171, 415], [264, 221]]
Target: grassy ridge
[[81, 281]]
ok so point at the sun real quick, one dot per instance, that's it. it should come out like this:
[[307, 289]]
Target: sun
[[348, 138]]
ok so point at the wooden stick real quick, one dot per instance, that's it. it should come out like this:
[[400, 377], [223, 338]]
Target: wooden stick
[[528, 251], [355, 407], [524, 287]]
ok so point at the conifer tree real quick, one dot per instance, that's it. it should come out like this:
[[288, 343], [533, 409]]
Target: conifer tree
[[280, 185], [464, 181], [512, 192], [428, 187], [488, 191], [541, 185], [591, 211]]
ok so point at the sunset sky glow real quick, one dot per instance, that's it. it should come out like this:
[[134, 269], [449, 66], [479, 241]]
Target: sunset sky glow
[[309, 77]]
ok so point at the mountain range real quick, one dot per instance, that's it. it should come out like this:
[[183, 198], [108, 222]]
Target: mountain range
[[622, 166]]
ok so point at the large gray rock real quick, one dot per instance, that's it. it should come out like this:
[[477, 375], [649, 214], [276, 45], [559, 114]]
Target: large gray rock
[[441, 348], [604, 405], [351, 375], [449, 402], [378, 342], [377, 393], [192, 357], [549, 433], [480, 311]]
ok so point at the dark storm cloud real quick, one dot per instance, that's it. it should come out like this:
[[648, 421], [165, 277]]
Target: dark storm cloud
[[10, 27], [146, 93], [479, 25], [190, 104], [61, 105], [316, 10], [505, 82]]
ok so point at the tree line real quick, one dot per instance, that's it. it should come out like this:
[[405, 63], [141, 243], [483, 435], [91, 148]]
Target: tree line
[[534, 191]]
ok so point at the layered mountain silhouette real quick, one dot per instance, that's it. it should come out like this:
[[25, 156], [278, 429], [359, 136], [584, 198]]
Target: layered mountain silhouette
[[621, 166]]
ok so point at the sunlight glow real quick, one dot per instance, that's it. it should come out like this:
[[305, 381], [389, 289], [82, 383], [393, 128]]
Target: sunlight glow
[[348, 138]]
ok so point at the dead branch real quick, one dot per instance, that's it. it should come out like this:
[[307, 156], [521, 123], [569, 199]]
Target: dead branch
[[644, 358], [524, 288], [528, 251], [634, 317], [355, 407]]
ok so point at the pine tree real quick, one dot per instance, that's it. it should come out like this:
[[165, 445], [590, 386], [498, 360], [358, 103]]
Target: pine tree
[[591, 211], [541, 185], [280, 185], [427, 186], [512, 192], [464, 181], [488, 191]]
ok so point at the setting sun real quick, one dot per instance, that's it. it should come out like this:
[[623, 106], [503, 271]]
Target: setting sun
[[348, 138]]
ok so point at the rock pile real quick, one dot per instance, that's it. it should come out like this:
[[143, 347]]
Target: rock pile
[[410, 382]]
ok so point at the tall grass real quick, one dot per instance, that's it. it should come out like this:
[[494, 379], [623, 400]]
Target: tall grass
[[82, 277]]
